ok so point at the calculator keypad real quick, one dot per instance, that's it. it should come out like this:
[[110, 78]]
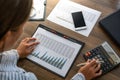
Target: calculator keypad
[[97, 53]]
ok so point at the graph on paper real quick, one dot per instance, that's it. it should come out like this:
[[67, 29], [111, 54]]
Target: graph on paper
[[57, 62], [54, 52], [54, 45]]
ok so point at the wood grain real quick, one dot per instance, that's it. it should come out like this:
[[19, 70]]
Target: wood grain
[[96, 37]]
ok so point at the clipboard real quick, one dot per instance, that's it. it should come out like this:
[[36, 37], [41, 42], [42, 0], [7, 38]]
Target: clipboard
[[56, 51], [38, 10]]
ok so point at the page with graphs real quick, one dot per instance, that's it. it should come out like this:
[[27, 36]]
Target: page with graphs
[[54, 52]]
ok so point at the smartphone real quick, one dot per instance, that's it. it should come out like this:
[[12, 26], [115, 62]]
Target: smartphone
[[78, 20]]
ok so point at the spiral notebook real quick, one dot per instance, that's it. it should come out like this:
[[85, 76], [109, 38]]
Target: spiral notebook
[[56, 51]]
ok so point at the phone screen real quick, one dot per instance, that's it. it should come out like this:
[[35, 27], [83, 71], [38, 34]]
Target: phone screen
[[78, 19]]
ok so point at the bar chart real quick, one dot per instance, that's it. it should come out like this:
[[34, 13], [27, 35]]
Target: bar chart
[[56, 46], [57, 62]]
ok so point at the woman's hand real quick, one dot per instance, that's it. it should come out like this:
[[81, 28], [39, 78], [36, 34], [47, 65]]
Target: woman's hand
[[91, 69], [26, 47]]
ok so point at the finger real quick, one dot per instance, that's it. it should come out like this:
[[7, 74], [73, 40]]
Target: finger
[[95, 65], [24, 39], [89, 60], [32, 48], [33, 44], [30, 40], [98, 67], [93, 62], [98, 73]]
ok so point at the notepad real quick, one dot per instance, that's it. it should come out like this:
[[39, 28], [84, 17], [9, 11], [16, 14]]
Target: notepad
[[38, 10], [56, 51]]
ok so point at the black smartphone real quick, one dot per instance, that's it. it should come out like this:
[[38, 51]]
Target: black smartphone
[[78, 20]]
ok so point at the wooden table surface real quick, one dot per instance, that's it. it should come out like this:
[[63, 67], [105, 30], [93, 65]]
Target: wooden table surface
[[96, 37]]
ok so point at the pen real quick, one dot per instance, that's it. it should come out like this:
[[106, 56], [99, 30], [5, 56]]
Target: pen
[[64, 19], [82, 64]]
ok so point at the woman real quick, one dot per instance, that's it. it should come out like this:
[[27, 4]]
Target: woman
[[13, 15]]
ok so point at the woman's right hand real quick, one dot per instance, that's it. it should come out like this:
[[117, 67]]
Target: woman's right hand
[[91, 69]]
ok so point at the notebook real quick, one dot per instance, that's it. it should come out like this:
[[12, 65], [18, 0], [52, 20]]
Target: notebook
[[111, 24], [56, 51]]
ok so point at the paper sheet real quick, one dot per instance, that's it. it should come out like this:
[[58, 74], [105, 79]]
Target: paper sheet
[[61, 15]]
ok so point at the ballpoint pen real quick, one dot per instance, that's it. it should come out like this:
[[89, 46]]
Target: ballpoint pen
[[82, 64]]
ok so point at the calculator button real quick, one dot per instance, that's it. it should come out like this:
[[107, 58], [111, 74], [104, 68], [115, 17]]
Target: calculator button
[[95, 57], [101, 59], [105, 60], [103, 69], [99, 56], [88, 54], [97, 49], [110, 66], [93, 52], [107, 63], [107, 68]]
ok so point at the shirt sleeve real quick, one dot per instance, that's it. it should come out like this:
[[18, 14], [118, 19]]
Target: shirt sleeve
[[9, 60], [78, 76], [9, 69], [11, 55], [31, 76]]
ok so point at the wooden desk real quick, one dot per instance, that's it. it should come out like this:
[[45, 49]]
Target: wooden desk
[[96, 37]]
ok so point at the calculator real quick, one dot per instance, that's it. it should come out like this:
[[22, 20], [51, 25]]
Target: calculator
[[106, 54]]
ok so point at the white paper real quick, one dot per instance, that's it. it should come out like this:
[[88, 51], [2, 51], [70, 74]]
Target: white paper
[[38, 9], [61, 15], [54, 52]]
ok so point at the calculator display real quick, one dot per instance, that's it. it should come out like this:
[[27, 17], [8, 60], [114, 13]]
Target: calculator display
[[111, 53]]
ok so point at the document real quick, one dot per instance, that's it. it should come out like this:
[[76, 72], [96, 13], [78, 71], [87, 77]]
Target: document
[[54, 52], [38, 10], [61, 15]]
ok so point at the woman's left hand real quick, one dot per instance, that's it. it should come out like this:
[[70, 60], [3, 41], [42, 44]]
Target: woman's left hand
[[26, 47]]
